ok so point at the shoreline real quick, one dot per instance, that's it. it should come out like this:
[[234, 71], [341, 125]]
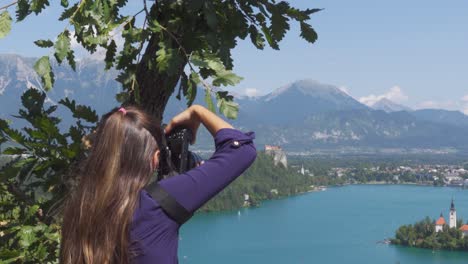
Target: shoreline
[[377, 183], [431, 249]]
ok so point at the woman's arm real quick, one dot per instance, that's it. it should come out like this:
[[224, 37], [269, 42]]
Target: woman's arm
[[193, 116], [235, 152]]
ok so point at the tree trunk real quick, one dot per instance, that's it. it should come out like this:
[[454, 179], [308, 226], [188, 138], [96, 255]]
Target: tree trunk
[[155, 87]]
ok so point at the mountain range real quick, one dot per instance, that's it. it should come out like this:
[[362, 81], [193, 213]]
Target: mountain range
[[302, 116], [389, 106]]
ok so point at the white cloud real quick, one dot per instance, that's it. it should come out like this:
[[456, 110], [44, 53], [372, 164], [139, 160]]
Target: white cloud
[[465, 104], [453, 105], [465, 110], [395, 94], [68, 92], [447, 105], [251, 92]]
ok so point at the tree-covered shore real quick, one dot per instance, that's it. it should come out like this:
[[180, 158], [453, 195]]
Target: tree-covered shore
[[262, 181], [422, 235]]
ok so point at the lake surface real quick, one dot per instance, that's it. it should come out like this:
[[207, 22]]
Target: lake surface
[[340, 225]]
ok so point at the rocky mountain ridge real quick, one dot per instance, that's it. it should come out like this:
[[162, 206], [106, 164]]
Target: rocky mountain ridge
[[301, 116]]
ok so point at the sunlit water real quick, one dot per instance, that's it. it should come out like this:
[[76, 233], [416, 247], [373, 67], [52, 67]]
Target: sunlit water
[[340, 225]]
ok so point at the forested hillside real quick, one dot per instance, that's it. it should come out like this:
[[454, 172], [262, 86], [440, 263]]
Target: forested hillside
[[260, 182]]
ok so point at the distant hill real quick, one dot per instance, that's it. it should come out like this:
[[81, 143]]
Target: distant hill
[[301, 116], [307, 114], [455, 118], [389, 106], [294, 102], [90, 84]]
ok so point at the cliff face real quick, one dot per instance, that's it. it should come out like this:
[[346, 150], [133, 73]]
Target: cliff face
[[279, 156]]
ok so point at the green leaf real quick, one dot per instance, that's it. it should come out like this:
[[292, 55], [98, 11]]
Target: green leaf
[[33, 101], [36, 134], [31, 211], [154, 26], [44, 43], [192, 88], [22, 10], [210, 16], [257, 38], [64, 3], [5, 23], [313, 10], [71, 59], [86, 113], [130, 85], [51, 109], [10, 256], [80, 111], [16, 136], [110, 54], [182, 85], [27, 236], [210, 61], [308, 33], [9, 172], [209, 100], [301, 15], [226, 78], [67, 13], [14, 151], [220, 75], [226, 105], [62, 46], [47, 126], [279, 26], [2, 140], [122, 97], [168, 60], [23, 162], [273, 43], [43, 69], [38, 5]]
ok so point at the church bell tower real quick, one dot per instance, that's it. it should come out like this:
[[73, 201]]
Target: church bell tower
[[453, 216]]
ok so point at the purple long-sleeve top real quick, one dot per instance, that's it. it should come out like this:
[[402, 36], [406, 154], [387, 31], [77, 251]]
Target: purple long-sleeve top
[[154, 234]]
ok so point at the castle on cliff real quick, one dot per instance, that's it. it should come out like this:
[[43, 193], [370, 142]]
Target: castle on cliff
[[279, 156]]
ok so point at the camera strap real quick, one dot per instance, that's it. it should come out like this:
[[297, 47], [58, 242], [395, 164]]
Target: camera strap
[[172, 208]]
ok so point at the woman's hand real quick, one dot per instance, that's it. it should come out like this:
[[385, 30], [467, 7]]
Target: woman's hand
[[193, 116], [188, 119]]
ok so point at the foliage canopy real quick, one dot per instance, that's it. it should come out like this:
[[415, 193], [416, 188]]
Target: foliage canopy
[[164, 47]]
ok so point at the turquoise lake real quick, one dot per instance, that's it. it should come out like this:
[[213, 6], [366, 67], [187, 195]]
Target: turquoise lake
[[339, 225]]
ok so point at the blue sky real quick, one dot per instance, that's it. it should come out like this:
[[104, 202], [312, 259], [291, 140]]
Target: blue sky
[[413, 52]]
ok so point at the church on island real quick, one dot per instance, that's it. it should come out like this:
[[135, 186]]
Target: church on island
[[440, 223]]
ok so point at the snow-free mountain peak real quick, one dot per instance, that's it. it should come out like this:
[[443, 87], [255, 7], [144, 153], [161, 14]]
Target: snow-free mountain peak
[[389, 106], [307, 87]]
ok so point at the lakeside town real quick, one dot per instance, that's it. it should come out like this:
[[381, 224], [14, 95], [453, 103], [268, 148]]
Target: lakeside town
[[365, 171], [439, 175]]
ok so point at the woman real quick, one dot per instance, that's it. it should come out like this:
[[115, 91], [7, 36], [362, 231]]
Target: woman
[[110, 218]]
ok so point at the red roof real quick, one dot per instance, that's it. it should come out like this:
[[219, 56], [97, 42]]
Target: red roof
[[441, 221], [464, 228]]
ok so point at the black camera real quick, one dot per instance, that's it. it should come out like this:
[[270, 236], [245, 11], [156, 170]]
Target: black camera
[[175, 157]]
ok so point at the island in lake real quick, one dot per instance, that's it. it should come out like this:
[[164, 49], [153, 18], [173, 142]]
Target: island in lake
[[435, 235]]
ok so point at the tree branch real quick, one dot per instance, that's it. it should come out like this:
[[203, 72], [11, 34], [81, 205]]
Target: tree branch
[[145, 7], [187, 57], [7, 6]]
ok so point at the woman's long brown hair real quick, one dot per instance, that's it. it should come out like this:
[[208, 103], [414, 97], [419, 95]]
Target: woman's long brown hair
[[98, 213]]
